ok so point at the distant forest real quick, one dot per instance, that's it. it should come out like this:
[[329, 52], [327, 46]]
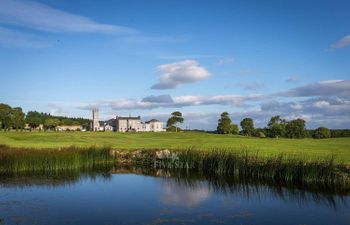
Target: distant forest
[[15, 118]]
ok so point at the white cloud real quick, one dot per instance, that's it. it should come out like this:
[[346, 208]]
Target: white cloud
[[296, 106], [342, 43], [174, 74], [42, 17], [321, 104]]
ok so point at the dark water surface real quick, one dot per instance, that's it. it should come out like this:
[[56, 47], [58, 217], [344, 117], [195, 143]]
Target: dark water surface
[[161, 198]]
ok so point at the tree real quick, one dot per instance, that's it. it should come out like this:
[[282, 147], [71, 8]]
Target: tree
[[5, 117], [176, 117], [51, 123], [247, 125], [259, 132], [17, 118], [322, 132], [234, 129], [340, 133], [296, 129], [224, 124], [276, 127], [33, 119]]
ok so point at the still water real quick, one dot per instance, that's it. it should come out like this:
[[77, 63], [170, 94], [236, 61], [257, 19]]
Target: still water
[[164, 198]]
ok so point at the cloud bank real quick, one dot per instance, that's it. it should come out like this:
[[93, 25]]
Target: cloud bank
[[325, 103], [166, 101], [174, 74], [339, 88]]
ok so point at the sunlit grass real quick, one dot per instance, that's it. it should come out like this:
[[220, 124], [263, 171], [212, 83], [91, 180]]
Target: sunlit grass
[[306, 149]]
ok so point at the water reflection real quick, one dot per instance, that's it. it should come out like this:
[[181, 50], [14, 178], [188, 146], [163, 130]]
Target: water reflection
[[141, 196], [190, 189], [64, 178], [190, 192], [175, 193]]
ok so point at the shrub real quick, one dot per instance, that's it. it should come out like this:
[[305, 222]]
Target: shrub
[[322, 132], [259, 133]]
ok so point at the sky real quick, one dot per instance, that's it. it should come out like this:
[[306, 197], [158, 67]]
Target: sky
[[135, 57]]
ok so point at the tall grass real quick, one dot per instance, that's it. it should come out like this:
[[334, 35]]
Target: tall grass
[[280, 168], [52, 161], [247, 165]]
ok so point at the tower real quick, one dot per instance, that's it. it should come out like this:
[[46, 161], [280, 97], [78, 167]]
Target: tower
[[95, 122]]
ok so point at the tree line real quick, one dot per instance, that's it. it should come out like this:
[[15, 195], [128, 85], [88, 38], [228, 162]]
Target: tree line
[[15, 118], [277, 127]]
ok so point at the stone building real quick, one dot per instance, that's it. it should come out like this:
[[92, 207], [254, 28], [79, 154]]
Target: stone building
[[108, 125], [153, 126], [134, 124], [127, 124]]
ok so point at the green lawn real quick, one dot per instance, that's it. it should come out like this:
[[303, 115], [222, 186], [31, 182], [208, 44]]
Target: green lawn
[[304, 148]]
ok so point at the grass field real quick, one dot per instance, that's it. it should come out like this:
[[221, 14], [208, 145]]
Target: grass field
[[309, 149]]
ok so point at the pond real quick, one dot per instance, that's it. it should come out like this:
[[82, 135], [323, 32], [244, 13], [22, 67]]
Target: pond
[[161, 197]]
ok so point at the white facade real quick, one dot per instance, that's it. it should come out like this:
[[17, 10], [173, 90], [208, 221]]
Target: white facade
[[154, 126], [127, 124], [146, 127], [108, 127], [134, 124]]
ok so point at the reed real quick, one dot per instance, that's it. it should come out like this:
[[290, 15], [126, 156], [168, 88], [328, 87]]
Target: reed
[[280, 168], [243, 164], [52, 161]]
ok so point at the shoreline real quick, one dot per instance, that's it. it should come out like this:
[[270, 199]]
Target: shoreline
[[280, 168]]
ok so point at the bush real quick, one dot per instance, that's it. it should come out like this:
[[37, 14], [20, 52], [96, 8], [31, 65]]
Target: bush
[[259, 133], [321, 132]]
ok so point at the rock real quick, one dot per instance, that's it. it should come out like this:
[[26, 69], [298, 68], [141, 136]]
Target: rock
[[137, 154], [163, 154]]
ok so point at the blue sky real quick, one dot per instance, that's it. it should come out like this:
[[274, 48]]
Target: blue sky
[[149, 58]]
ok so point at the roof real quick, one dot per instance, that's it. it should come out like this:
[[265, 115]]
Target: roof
[[69, 126], [152, 121], [128, 118], [111, 122]]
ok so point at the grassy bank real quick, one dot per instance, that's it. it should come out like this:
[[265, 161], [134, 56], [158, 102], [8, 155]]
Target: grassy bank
[[52, 161], [305, 149], [228, 163], [244, 165]]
